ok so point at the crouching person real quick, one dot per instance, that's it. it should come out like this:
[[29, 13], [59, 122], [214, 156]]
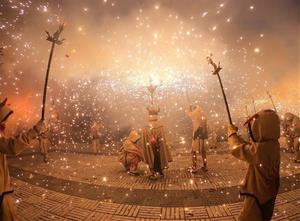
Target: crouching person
[[262, 154], [130, 153], [11, 146]]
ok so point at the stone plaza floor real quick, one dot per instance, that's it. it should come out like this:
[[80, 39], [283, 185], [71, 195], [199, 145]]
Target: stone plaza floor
[[79, 186]]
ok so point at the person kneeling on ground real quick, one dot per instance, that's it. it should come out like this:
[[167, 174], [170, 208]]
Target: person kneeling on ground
[[262, 154], [130, 153], [11, 146]]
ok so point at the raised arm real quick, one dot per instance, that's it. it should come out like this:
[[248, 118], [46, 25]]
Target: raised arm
[[14, 146], [239, 148]]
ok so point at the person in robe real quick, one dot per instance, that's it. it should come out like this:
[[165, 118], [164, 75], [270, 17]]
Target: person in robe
[[96, 135], [12, 147], [262, 154], [291, 128], [131, 153], [156, 150]]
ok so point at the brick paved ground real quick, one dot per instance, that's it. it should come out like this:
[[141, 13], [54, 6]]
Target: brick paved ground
[[224, 171], [36, 203], [89, 187]]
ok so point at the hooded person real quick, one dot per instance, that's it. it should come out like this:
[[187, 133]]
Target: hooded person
[[130, 153], [262, 154], [96, 134], [291, 128], [12, 147], [199, 136], [156, 150]]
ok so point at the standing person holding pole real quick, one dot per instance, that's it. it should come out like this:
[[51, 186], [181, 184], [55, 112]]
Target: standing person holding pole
[[54, 39], [156, 150], [262, 153], [12, 147]]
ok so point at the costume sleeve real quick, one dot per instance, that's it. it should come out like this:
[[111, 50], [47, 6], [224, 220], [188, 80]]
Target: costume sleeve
[[241, 149], [14, 146]]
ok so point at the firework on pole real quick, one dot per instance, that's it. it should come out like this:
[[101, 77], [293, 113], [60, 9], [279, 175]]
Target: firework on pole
[[152, 88], [270, 96], [216, 71], [54, 39]]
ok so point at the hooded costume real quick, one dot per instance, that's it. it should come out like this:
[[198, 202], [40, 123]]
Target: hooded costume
[[291, 127], [95, 132], [262, 154], [199, 135], [156, 151], [130, 153], [10, 146]]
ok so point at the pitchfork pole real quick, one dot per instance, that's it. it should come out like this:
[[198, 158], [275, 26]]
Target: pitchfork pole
[[216, 71], [55, 40], [46, 81], [271, 101]]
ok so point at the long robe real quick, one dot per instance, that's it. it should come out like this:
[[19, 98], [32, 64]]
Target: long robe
[[165, 154], [130, 153], [261, 183], [11, 146], [291, 125], [96, 135]]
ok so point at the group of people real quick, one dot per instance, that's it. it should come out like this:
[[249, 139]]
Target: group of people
[[155, 150], [261, 152]]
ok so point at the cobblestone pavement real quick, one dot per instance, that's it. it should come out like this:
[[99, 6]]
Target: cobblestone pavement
[[94, 187]]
